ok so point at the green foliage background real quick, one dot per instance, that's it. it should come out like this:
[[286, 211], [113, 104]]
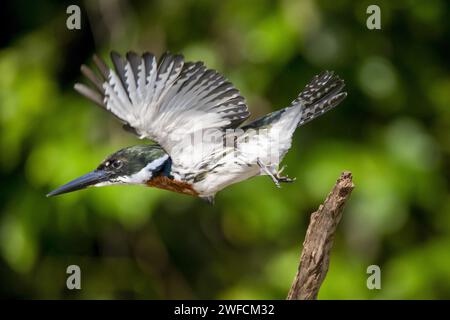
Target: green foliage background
[[392, 132]]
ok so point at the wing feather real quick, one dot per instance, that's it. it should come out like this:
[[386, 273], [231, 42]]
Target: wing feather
[[89, 93], [159, 100], [95, 80]]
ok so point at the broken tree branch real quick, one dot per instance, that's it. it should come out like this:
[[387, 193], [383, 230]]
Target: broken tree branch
[[318, 242]]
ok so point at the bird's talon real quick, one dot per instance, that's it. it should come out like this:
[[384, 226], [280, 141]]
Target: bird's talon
[[286, 179]]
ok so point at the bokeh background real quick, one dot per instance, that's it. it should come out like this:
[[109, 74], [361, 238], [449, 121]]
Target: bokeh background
[[392, 132]]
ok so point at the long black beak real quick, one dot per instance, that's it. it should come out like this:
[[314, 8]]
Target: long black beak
[[82, 182]]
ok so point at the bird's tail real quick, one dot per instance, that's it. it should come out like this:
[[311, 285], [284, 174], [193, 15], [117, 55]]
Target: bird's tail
[[320, 95]]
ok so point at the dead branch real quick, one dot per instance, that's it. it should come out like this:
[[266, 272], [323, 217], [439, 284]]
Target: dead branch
[[318, 242]]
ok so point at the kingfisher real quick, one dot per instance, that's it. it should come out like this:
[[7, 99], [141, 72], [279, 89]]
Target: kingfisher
[[194, 118]]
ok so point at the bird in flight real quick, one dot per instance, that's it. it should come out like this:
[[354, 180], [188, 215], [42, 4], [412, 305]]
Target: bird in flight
[[194, 118]]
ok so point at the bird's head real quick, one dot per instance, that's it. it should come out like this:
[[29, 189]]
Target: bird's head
[[132, 165]]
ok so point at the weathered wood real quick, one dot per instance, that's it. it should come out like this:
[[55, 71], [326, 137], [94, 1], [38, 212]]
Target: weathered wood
[[315, 257]]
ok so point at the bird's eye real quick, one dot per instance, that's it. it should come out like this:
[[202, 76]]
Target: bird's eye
[[117, 164]]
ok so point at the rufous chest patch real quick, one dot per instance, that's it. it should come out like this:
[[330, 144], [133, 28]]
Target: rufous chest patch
[[163, 182]]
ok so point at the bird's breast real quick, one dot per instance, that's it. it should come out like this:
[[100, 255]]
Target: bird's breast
[[167, 183]]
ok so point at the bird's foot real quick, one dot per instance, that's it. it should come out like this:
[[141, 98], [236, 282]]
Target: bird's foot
[[281, 178], [275, 174]]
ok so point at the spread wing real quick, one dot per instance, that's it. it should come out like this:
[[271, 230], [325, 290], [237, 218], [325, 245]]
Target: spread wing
[[164, 101]]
